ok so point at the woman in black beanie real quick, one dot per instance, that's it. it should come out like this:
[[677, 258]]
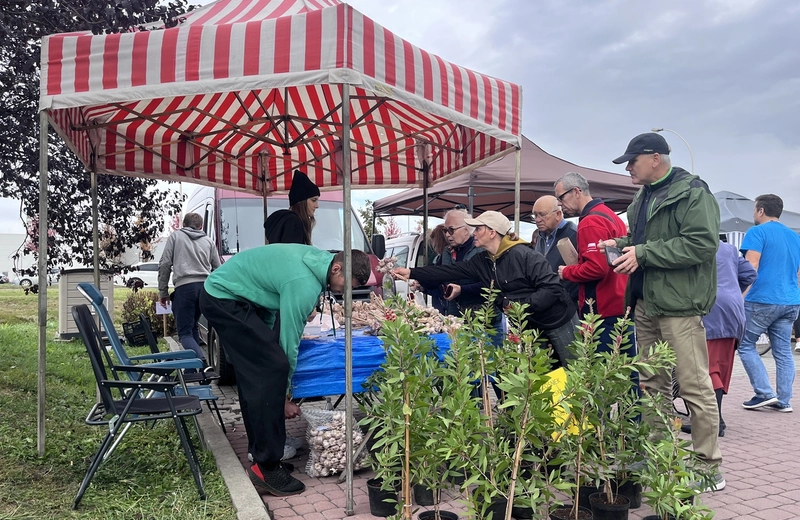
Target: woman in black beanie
[[294, 225]]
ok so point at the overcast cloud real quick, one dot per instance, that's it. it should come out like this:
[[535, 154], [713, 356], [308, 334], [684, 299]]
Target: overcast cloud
[[725, 74]]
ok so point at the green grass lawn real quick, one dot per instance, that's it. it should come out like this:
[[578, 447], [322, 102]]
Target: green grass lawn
[[146, 478]]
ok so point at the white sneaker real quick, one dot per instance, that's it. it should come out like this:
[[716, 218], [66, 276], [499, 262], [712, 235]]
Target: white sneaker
[[288, 453], [294, 442]]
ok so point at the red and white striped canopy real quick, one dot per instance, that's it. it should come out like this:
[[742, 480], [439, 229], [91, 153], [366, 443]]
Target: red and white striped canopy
[[248, 90]]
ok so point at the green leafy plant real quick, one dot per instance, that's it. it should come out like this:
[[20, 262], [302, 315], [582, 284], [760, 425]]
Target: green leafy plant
[[144, 302], [672, 473], [604, 431], [505, 452], [402, 398]]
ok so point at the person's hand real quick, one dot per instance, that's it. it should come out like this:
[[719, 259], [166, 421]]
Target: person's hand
[[627, 263], [561, 271], [163, 301], [400, 273], [454, 292], [291, 410], [601, 244], [414, 285]]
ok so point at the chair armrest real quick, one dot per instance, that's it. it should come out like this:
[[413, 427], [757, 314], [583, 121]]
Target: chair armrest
[[178, 354], [158, 386], [175, 364]]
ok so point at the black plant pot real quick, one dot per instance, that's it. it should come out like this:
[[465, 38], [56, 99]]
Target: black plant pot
[[563, 513], [603, 510], [378, 506], [583, 495], [443, 515], [497, 508], [632, 490], [424, 496], [521, 512]]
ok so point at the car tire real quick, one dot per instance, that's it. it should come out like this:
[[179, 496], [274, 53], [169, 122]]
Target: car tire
[[218, 360], [25, 283]]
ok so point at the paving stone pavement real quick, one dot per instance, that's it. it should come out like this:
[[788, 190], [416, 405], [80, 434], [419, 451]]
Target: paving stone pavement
[[761, 464]]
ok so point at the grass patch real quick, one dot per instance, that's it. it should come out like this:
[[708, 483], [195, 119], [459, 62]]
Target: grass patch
[[146, 478]]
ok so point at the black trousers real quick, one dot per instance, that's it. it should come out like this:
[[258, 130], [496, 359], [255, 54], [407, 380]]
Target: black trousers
[[262, 372]]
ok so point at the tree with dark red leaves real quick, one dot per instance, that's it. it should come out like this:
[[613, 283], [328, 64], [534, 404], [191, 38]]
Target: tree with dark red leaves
[[131, 210]]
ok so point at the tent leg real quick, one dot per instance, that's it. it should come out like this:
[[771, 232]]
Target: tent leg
[[95, 223], [348, 298], [517, 180], [262, 167], [43, 227]]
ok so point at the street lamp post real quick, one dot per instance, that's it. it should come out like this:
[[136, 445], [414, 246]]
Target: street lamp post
[[691, 155]]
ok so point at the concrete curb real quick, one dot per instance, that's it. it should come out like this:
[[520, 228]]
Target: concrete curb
[[248, 503]]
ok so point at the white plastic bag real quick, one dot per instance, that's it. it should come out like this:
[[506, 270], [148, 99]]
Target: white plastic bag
[[327, 443]]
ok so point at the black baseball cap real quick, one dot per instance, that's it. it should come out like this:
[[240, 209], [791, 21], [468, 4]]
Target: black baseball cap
[[650, 142]]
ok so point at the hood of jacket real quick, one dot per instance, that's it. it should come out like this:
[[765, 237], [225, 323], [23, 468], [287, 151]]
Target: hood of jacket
[[505, 244], [193, 233]]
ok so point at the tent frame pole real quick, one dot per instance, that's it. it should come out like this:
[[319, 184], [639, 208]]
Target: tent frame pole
[[425, 237], [348, 297], [262, 167], [95, 221], [517, 181], [42, 310]]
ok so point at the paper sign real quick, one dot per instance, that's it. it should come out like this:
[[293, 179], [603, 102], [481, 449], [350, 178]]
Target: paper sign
[[567, 250], [161, 309]]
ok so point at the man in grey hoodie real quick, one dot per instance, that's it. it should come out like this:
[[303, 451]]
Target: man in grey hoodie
[[190, 256]]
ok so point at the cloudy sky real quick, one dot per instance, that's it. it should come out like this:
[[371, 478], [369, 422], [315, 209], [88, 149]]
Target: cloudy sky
[[724, 74]]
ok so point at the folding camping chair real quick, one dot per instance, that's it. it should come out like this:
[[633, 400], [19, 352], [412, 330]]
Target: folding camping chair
[[133, 404], [188, 359], [204, 377], [676, 396]]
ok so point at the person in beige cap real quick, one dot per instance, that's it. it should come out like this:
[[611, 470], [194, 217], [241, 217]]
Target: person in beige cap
[[518, 272]]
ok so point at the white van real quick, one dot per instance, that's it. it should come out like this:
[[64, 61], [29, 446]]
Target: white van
[[235, 222], [408, 248]]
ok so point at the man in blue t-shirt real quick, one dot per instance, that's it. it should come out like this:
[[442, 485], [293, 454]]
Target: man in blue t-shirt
[[772, 304]]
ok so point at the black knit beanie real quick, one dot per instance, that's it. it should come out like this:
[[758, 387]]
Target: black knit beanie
[[302, 188]]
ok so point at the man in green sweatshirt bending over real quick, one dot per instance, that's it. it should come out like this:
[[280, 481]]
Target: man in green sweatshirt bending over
[[258, 302]]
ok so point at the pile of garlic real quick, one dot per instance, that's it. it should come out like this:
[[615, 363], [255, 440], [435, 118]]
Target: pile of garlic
[[327, 443]]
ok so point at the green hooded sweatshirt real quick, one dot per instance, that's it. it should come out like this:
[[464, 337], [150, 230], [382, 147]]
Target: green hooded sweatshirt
[[279, 277]]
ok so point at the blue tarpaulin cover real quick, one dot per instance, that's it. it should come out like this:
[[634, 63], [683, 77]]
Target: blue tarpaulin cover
[[320, 363]]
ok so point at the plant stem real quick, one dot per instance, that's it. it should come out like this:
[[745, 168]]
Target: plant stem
[[407, 465], [517, 456]]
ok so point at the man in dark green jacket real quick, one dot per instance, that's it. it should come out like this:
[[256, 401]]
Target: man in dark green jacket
[[258, 302], [670, 257]]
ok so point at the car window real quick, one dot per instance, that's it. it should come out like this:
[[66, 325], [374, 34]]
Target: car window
[[241, 224], [401, 252]]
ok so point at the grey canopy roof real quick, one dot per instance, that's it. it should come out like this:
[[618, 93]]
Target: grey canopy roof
[[493, 187], [736, 213]]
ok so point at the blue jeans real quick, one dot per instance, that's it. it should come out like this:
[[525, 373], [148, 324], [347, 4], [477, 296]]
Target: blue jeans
[[186, 308], [776, 321], [606, 339]]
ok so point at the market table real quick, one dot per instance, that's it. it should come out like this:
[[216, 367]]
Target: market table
[[320, 363]]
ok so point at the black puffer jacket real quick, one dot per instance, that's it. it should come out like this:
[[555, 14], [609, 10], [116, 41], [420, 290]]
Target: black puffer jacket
[[285, 227], [519, 273]]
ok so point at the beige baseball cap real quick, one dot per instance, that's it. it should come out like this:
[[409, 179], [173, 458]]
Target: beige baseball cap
[[492, 219]]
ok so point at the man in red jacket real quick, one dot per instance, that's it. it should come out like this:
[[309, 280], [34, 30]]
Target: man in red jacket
[[597, 280]]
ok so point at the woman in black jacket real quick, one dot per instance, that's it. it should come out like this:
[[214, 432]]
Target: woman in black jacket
[[294, 225], [518, 272]]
